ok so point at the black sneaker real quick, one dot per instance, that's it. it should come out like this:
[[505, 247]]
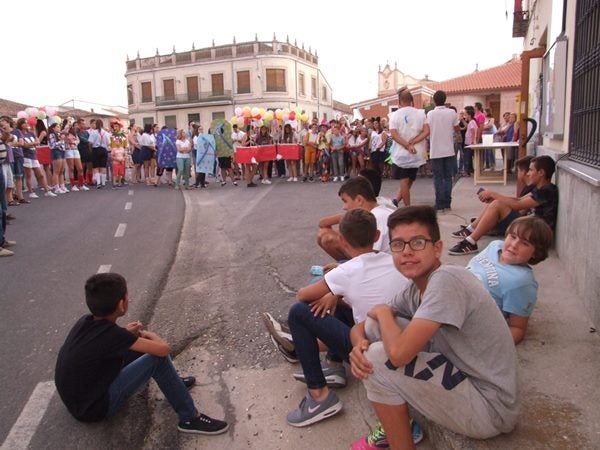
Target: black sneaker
[[395, 202], [252, 184], [188, 382], [203, 425], [462, 233], [464, 247], [304, 179]]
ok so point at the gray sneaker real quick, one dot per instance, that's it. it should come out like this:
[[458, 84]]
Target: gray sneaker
[[334, 376], [311, 411]]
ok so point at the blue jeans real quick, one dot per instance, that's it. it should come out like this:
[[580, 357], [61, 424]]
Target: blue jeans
[[135, 375], [183, 170], [333, 331], [489, 158], [3, 208], [443, 171]]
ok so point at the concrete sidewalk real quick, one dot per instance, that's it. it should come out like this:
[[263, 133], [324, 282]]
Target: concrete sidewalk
[[558, 358]]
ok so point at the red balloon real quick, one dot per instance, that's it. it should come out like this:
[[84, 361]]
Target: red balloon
[[292, 115], [32, 121], [258, 117]]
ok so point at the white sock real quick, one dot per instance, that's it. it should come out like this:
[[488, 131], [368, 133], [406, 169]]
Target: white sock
[[96, 177], [470, 228], [471, 240]]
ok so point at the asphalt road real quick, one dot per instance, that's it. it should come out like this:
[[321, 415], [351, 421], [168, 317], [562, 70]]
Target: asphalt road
[[60, 242], [243, 251]]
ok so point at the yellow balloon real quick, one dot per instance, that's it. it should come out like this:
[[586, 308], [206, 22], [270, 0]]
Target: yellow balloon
[[262, 111], [233, 120], [247, 112]]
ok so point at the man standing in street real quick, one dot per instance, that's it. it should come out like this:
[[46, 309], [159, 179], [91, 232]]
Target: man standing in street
[[442, 122]]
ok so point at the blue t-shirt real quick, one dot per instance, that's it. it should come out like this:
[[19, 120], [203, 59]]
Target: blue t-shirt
[[513, 287]]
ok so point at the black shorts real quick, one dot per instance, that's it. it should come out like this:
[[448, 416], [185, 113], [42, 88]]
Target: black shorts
[[146, 153], [136, 156], [99, 158], [399, 173], [377, 158], [225, 162], [502, 226], [85, 153]]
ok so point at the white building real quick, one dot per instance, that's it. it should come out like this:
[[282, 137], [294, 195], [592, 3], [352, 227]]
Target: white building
[[202, 85]]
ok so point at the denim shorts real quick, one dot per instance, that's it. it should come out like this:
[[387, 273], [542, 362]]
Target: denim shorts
[[17, 167], [57, 154]]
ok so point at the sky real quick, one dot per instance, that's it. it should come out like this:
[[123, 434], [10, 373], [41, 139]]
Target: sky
[[71, 50]]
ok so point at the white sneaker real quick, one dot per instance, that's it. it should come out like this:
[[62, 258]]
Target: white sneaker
[[65, 190], [49, 194], [335, 179], [84, 188], [290, 179], [295, 179], [75, 189], [33, 195]]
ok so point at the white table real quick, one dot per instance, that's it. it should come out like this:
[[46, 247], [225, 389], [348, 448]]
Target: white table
[[479, 176]]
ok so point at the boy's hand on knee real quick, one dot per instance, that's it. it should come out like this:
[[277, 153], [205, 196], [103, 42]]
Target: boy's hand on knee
[[359, 364], [325, 305]]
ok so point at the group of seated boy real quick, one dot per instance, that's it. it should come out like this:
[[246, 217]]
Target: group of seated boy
[[439, 338]]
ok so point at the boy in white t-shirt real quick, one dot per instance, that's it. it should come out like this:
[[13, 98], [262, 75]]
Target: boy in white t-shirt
[[320, 317], [354, 193]]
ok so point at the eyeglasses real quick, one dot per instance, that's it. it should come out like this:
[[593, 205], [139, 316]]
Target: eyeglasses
[[416, 244]]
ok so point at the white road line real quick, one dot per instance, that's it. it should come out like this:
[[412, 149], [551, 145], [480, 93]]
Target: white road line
[[130, 192], [24, 428], [128, 206], [121, 230], [104, 268]]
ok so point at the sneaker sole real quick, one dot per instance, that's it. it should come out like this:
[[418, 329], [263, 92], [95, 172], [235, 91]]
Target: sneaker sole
[[329, 412], [208, 433], [283, 352], [468, 252], [460, 237], [278, 335], [333, 381]]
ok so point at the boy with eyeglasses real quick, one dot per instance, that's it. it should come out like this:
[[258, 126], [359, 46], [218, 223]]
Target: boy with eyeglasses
[[442, 345]]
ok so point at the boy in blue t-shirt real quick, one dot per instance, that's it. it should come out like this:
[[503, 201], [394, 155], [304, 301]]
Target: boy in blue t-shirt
[[503, 269], [98, 367]]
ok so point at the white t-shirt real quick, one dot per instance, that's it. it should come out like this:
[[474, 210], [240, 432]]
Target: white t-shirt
[[365, 281], [441, 122], [381, 214], [376, 142], [408, 122], [183, 144], [237, 138]]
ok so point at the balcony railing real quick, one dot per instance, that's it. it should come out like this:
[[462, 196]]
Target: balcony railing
[[520, 20], [193, 98]]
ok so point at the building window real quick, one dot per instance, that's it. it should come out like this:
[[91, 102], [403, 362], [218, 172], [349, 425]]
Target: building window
[[192, 88], [325, 116], [314, 115], [301, 89], [148, 121], [169, 89], [243, 82], [130, 94], [218, 87], [194, 118], [276, 80], [147, 92], [324, 93], [313, 87], [218, 115], [171, 122], [584, 132]]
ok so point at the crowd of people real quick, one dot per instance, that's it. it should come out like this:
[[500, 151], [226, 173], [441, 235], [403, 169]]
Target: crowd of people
[[415, 331]]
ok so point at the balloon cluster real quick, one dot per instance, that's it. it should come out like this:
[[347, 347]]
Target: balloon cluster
[[32, 115], [261, 116]]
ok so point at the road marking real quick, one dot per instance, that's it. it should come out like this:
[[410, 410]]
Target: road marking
[[24, 428], [121, 230], [104, 268], [128, 206], [130, 192]]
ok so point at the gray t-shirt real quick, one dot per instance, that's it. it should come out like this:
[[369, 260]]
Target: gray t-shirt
[[473, 335]]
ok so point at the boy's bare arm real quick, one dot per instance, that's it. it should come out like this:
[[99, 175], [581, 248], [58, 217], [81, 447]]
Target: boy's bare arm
[[359, 364], [517, 326], [329, 221], [525, 202], [313, 291], [400, 345]]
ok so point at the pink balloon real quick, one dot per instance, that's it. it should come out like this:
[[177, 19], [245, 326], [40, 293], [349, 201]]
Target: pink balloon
[[32, 121], [22, 115]]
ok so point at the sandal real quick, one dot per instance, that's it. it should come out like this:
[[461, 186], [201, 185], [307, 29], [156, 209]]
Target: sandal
[[24, 200], [13, 203]]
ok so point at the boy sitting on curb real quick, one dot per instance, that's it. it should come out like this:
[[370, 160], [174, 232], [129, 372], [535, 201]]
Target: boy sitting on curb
[[541, 201], [468, 382], [355, 193], [503, 269], [367, 279], [97, 371]]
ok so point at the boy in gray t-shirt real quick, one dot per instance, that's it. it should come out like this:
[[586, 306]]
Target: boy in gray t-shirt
[[466, 380]]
